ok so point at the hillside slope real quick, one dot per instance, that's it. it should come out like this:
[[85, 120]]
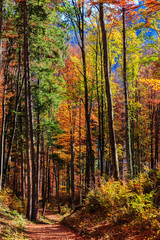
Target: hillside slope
[[119, 210], [12, 224]]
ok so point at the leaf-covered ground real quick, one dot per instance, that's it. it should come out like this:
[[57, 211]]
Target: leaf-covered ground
[[50, 228], [99, 226]]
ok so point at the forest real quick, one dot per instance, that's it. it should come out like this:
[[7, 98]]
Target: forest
[[80, 110]]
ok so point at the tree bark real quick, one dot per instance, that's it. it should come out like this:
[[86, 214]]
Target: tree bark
[[128, 129], [26, 76], [3, 104], [22, 160], [1, 26], [109, 97], [157, 118], [80, 152], [90, 154], [79, 15], [56, 172]]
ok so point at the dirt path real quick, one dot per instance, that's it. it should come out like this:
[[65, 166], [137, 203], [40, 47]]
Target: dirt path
[[51, 231]]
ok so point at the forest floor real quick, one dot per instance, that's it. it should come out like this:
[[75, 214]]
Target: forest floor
[[97, 226], [50, 228]]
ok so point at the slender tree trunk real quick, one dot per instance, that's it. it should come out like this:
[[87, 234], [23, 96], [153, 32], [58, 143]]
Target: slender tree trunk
[[128, 129], [72, 114], [26, 76], [1, 26], [102, 106], [56, 172], [109, 97], [2, 135], [157, 118], [99, 113], [68, 180], [80, 153], [49, 180], [46, 182], [38, 148], [90, 154], [22, 160], [34, 213], [79, 14], [18, 98], [151, 128], [15, 158], [3, 103], [72, 170], [43, 177]]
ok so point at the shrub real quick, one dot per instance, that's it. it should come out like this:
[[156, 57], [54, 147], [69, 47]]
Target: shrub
[[136, 197]]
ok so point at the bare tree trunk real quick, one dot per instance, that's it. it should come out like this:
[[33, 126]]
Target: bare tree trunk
[[80, 153], [56, 172], [109, 97], [44, 180], [90, 154], [1, 26], [18, 98], [2, 135], [72, 170], [151, 128], [157, 118], [102, 107], [79, 14], [22, 162], [26, 76], [100, 159], [128, 129], [38, 148], [68, 180], [3, 103]]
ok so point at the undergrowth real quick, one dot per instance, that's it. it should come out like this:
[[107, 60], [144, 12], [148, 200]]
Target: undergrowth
[[12, 224], [119, 209], [138, 198]]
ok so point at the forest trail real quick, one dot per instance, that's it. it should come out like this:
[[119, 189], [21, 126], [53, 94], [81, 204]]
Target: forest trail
[[51, 231]]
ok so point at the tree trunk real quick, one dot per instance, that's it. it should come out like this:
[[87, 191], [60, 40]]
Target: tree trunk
[[56, 172], [79, 13], [109, 97], [72, 168], [13, 128], [22, 161], [68, 180], [2, 135], [157, 118], [80, 153], [100, 159], [1, 26], [38, 148], [102, 107], [26, 76], [90, 154], [3, 103], [128, 129], [151, 128]]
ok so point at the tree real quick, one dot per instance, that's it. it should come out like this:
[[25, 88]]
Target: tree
[[109, 96], [3, 120], [76, 15], [27, 111]]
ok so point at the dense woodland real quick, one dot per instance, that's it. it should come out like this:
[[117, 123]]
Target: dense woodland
[[79, 96]]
